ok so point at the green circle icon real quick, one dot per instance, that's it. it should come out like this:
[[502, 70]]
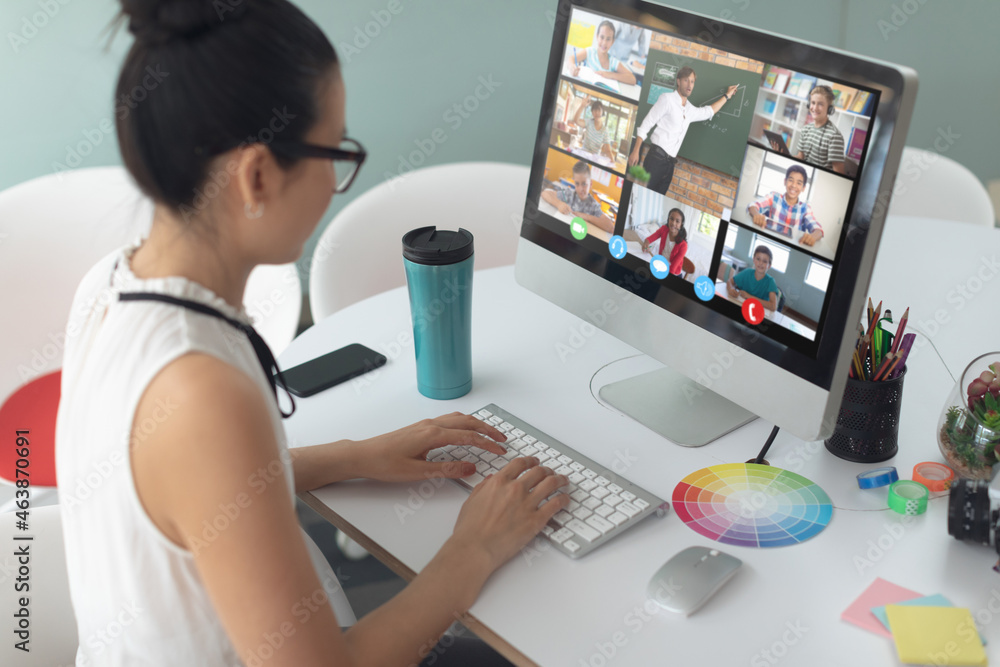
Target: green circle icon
[[578, 228]]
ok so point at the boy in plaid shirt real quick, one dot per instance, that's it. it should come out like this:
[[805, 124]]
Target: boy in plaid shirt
[[783, 213]]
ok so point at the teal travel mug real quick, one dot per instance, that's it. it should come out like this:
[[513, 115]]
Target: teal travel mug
[[438, 267]]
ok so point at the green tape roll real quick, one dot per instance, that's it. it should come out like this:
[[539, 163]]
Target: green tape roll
[[906, 497]]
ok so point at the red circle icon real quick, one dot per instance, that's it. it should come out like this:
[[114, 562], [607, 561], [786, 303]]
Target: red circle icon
[[753, 310]]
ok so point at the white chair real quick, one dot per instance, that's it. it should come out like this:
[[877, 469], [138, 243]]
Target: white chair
[[360, 251], [931, 185], [53, 638], [52, 230]]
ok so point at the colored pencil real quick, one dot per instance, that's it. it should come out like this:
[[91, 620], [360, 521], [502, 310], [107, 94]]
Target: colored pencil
[[899, 330], [897, 367], [883, 367]]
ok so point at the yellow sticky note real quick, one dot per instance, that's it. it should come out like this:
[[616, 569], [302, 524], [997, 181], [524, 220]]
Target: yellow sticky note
[[935, 635]]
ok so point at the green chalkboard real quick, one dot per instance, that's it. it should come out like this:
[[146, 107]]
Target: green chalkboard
[[719, 143]]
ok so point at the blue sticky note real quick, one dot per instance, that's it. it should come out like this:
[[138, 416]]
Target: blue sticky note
[[928, 601]]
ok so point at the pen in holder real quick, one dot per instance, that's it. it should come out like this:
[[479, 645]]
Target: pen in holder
[[868, 422]]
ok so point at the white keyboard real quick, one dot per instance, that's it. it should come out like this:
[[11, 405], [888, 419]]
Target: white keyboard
[[602, 505]]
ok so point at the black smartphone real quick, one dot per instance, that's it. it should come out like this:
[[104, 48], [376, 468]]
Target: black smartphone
[[331, 369]]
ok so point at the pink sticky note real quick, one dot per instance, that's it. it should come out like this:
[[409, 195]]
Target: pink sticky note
[[881, 592]]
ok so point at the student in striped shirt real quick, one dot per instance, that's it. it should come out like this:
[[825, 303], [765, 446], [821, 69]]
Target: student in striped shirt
[[821, 143], [595, 128], [597, 57], [783, 213]]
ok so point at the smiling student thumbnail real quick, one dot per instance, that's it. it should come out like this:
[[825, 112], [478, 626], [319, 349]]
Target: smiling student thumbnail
[[783, 213], [578, 201]]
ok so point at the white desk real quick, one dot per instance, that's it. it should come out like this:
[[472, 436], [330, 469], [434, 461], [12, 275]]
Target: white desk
[[546, 608]]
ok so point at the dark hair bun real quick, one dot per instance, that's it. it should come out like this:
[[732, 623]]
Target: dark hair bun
[[160, 21]]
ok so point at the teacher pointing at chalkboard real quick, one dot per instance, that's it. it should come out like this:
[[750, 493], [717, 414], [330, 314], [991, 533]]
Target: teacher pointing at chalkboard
[[671, 115]]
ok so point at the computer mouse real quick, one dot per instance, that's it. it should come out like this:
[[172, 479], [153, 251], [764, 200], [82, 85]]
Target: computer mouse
[[686, 582]]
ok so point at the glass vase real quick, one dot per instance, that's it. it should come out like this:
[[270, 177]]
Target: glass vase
[[969, 427]]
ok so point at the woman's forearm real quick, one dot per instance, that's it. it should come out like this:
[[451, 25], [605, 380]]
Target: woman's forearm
[[324, 464]]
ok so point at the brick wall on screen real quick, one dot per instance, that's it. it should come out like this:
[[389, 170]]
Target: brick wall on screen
[[705, 189]]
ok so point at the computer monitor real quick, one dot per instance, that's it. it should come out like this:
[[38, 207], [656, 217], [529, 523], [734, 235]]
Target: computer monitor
[[794, 224]]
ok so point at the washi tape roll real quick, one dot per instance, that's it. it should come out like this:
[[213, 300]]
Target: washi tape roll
[[906, 497], [871, 479], [935, 476]]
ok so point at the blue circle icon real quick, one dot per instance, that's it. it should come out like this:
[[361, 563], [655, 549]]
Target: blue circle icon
[[659, 266], [704, 288], [618, 247]]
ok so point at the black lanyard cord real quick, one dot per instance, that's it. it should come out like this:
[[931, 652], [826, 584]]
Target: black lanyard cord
[[260, 347]]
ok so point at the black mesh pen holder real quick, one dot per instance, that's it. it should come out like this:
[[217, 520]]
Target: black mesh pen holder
[[868, 422]]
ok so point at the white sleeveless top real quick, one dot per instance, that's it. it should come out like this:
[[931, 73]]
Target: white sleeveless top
[[137, 596]]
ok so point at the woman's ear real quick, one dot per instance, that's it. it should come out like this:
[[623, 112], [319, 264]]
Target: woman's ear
[[254, 170]]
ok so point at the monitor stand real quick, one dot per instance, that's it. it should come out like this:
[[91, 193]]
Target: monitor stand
[[676, 407]]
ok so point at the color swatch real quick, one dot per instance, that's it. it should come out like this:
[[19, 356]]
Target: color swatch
[[752, 505]]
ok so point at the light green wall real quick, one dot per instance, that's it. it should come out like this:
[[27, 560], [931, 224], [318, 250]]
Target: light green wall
[[57, 87]]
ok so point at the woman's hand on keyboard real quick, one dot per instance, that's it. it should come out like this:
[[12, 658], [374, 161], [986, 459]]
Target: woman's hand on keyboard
[[503, 513], [401, 456]]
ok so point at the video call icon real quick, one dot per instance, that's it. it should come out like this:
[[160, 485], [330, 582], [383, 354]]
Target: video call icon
[[578, 228]]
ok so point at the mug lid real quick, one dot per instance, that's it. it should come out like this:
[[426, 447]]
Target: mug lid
[[429, 245]]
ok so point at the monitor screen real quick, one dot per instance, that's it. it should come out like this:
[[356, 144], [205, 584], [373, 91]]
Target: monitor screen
[[724, 175]]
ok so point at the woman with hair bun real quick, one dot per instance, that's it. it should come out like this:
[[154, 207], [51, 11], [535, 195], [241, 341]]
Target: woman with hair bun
[[192, 537]]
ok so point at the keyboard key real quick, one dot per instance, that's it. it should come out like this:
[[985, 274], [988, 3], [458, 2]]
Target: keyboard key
[[528, 439], [474, 479], [562, 517], [612, 500], [600, 524], [565, 460], [528, 451], [561, 535], [564, 470], [628, 509], [571, 546], [550, 463], [479, 417], [581, 513], [485, 413], [499, 463], [572, 505], [591, 503], [517, 444], [640, 503], [580, 495], [470, 458], [600, 492], [589, 474], [614, 488], [542, 456], [505, 426], [583, 530], [539, 444], [483, 467], [602, 480], [516, 432], [553, 452], [577, 466], [575, 478], [603, 511], [487, 456], [627, 495], [459, 452], [494, 420], [547, 531], [617, 518], [588, 485], [510, 454]]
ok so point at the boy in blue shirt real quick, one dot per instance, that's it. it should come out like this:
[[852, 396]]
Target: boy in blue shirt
[[756, 282]]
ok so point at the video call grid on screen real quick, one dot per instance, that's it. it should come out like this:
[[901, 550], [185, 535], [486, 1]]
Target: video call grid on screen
[[734, 176]]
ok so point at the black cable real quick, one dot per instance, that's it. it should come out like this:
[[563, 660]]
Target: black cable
[[767, 445]]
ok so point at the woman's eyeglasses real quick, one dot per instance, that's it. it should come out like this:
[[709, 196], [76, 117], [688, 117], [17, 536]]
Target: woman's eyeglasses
[[347, 158]]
